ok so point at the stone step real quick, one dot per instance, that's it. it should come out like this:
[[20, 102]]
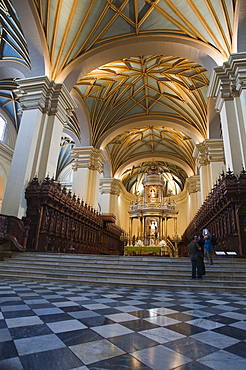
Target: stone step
[[121, 274], [121, 260], [189, 285], [212, 272], [226, 274]]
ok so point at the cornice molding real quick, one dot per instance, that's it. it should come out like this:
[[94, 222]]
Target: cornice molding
[[193, 184], [228, 80], [88, 157], [48, 96], [110, 186], [210, 150]]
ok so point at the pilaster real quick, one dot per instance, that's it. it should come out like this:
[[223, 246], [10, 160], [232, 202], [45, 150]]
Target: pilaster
[[194, 195], [87, 167], [228, 87], [110, 189], [45, 106], [211, 162]]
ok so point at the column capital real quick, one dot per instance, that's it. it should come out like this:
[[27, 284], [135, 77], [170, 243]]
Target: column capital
[[193, 184], [228, 80], [48, 96], [210, 150], [110, 186], [88, 157]]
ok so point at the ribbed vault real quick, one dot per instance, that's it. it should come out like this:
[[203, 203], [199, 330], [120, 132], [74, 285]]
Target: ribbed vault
[[140, 86], [75, 27], [151, 142], [147, 89], [174, 177]]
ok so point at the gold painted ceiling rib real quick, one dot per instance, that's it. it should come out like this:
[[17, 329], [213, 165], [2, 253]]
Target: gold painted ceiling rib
[[227, 17], [176, 84], [149, 11], [119, 12], [190, 30], [47, 18], [208, 29], [136, 16], [81, 27], [55, 31], [93, 29], [183, 27], [64, 38], [218, 24], [129, 144], [109, 23], [131, 178]]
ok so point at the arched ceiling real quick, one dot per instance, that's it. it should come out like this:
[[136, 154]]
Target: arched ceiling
[[173, 176], [150, 143], [136, 87], [154, 86], [75, 27]]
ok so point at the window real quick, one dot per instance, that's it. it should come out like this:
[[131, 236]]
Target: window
[[2, 127]]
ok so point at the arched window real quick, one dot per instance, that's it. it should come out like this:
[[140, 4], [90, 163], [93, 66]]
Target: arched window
[[2, 127]]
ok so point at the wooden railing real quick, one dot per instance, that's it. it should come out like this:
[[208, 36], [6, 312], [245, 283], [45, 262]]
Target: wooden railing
[[14, 231], [224, 214], [61, 222]]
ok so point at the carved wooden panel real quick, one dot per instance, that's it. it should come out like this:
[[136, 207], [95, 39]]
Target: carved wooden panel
[[61, 222], [222, 213]]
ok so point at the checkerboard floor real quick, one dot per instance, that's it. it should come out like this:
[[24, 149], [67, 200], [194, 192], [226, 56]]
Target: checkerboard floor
[[48, 326]]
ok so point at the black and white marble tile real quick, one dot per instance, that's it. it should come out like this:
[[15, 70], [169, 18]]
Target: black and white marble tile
[[49, 326]]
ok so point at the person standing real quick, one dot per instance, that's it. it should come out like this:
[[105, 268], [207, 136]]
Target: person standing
[[194, 249], [209, 249], [201, 241]]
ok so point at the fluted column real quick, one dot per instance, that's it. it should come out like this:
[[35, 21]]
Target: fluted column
[[228, 86], [87, 167], [45, 108]]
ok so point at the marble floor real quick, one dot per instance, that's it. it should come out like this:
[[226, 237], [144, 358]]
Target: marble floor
[[48, 326]]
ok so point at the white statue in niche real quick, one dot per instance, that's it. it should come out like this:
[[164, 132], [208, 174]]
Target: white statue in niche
[[153, 228]]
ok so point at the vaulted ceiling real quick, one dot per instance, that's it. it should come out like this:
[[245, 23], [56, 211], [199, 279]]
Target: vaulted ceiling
[[143, 106]]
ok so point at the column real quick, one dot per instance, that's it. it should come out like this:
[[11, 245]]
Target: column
[[165, 228], [201, 154], [228, 85], [216, 158], [194, 196], [130, 231], [45, 106], [211, 163], [87, 167], [175, 228], [161, 228], [109, 190]]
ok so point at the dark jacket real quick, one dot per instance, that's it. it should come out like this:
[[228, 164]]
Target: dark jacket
[[193, 248]]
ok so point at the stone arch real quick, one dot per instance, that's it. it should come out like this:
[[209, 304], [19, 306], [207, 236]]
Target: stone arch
[[240, 40], [142, 158], [83, 118], [171, 122], [35, 39], [192, 50]]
